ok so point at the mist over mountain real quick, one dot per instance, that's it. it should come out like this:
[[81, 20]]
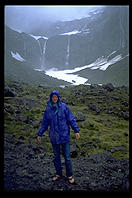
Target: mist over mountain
[[98, 42], [31, 19]]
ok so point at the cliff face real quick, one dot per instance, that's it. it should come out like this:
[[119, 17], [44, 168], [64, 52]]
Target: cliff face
[[25, 45], [85, 43], [74, 43]]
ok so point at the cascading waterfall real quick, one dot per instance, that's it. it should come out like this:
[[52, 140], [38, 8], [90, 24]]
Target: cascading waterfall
[[68, 50], [24, 49], [40, 51], [122, 32], [43, 57]]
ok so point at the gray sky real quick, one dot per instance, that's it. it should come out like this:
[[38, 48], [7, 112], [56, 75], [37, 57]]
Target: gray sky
[[22, 18]]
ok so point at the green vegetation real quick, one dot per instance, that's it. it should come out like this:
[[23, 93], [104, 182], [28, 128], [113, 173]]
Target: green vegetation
[[102, 115], [15, 70]]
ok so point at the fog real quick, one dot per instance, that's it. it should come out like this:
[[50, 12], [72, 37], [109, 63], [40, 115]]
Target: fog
[[25, 18]]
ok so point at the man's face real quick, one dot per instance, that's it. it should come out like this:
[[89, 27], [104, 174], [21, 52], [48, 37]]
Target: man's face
[[54, 98]]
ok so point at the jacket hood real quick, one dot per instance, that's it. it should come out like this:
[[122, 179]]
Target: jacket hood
[[56, 93]]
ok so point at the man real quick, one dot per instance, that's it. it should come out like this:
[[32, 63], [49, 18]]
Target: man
[[59, 117]]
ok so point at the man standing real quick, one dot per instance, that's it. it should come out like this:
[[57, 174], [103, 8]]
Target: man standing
[[59, 117]]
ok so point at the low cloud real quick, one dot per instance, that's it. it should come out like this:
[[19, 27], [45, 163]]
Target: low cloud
[[25, 18]]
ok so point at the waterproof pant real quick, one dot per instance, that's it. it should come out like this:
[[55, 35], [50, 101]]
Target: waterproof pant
[[57, 158]]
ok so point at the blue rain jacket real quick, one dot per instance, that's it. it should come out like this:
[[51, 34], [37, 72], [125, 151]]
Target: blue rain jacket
[[59, 119]]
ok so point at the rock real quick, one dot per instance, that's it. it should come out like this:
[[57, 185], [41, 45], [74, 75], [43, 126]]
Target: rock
[[36, 124], [73, 81], [97, 140], [125, 115], [74, 154], [108, 87], [79, 117], [89, 145], [73, 150], [94, 108], [125, 133], [125, 182], [9, 93], [23, 118], [27, 168], [118, 148]]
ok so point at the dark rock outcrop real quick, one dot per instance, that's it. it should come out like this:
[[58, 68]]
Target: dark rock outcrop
[[8, 92], [27, 167]]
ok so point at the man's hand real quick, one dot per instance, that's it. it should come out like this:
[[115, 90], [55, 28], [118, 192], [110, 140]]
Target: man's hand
[[39, 138], [77, 135]]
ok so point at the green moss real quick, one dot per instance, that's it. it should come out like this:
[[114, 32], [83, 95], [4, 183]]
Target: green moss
[[99, 132]]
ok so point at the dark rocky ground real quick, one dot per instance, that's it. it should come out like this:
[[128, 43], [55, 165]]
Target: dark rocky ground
[[27, 167]]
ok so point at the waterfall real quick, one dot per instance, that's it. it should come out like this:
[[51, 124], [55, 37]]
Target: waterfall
[[68, 49], [43, 57], [40, 51], [122, 31], [24, 50]]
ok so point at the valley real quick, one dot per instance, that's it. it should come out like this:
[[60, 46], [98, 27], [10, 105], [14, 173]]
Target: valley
[[98, 53], [87, 61]]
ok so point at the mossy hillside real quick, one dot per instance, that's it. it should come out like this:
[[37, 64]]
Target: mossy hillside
[[117, 73], [102, 116], [15, 70]]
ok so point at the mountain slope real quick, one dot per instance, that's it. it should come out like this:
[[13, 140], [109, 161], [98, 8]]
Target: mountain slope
[[104, 36], [87, 39], [117, 74], [24, 44], [22, 72]]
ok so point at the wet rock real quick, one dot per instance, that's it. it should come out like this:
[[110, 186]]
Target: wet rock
[[118, 148], [94, 108], [23, 118], [125, 133], [125, 115], [9, 93], [79, 117], [74, 150], [26, 167], [108, 87], [36, 124]]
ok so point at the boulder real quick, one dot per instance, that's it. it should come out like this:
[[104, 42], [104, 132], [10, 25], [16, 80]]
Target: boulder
[[80, 117], [108, 87], [94, 108], [9, 93]]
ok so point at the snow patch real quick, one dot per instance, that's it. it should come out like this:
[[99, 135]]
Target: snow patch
[[63, 75], [70, 33], [17, 56], [37, 37], [101, 63]]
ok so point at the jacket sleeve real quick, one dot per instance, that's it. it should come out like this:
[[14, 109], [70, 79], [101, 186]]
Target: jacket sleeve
[[44, 125], [71, 120]]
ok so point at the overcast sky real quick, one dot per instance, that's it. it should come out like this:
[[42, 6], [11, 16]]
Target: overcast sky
[[21, 18]]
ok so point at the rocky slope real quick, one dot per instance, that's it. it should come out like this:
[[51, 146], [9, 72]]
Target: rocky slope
[[26, 167], [100, 157]]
